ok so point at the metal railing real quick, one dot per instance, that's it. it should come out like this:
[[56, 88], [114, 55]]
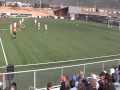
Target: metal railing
[[40, 77]]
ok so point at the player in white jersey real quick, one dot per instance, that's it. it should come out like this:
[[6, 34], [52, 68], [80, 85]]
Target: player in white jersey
[[46, 28], [22, 20], [35, 21], [20, 23], [15, 24], [38, 25], [11, 28]]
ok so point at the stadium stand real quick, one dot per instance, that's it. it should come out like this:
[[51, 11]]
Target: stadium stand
[[103, 81]]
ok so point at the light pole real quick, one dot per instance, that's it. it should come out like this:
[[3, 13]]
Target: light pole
[[40, 5]]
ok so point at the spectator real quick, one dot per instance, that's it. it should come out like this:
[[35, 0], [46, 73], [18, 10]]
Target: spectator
[[93, 82], [77, 78], [112, 70], [1, 85], [86, 84], [67, 79], [65, 83], [81, 76], [74, 78], [81, 86], [115, 82], [119, 72], [13, 86], [63, 78], [62, 87], [72, 85], [49, 86], [116, 73], [108, 82], [101, 80]]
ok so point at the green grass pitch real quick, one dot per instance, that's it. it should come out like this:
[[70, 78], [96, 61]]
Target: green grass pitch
[[64, 40]]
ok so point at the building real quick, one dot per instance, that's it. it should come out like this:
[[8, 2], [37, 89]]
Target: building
[[70, 12], [2, 2], [20, 4]]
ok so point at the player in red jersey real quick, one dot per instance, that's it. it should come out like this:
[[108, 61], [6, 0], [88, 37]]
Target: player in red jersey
[[3, 20]]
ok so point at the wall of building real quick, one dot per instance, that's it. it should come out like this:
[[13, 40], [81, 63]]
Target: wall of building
[[61, 12]]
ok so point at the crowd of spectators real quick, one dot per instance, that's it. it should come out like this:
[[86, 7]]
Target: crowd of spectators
[[104, 81]]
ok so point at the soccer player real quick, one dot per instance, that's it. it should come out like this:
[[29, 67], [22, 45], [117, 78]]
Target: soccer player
[[20, 23], [15, 24], [38, 25], [35, 21], [12, 26], [11, 29], [3, 20], [22, 20], [46, 27], [14, 33]]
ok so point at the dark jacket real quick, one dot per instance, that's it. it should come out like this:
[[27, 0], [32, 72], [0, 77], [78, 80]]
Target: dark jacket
[[109, 86]]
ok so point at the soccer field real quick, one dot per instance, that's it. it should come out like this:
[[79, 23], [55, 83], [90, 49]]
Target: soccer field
[[64, 40]]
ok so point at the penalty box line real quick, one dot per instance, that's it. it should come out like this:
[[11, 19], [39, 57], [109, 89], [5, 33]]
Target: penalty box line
[[3, 51]]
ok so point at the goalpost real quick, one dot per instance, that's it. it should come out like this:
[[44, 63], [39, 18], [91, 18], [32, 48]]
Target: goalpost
[[111, 20]]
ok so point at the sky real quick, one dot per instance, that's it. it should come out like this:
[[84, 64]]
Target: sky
[[99, 3]]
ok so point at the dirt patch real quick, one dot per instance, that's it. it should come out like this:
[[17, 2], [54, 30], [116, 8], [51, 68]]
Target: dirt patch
[[27, 10]]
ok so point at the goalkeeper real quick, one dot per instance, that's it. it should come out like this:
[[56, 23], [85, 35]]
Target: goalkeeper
[[14, 33]]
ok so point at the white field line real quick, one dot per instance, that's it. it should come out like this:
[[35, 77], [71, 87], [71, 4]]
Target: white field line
[[5, 23], [60, 67], [3, 51], [106, 31], [3, 29], [68, 60]]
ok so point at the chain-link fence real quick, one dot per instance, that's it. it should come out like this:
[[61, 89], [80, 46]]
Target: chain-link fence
[[39, 78]]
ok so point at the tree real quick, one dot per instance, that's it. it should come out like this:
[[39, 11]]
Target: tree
[[43, 5], [97, 10], [0, 3], [36, 5], [16, 5]]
